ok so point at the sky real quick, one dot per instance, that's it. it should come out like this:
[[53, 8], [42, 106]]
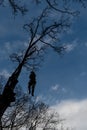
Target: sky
[[62, 79]]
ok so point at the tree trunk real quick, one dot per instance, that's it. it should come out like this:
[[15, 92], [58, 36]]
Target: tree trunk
[[1, 125], [10, 85]]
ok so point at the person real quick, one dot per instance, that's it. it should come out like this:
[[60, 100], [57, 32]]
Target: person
[[32, 83]]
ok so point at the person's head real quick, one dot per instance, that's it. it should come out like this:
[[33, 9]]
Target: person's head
[[32, 72]]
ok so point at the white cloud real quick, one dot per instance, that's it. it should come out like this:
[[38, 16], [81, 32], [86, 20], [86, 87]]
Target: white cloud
[[55, 87], [70, 47], [15, 45], [38, 98], [5, 73], [11, 47], [75, 113]]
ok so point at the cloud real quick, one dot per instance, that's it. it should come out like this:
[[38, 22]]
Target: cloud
[[70, 47], [11, 47], [39, 98], [55, 88], [74, 112], [15, 45], [5, 73], [58, 88]]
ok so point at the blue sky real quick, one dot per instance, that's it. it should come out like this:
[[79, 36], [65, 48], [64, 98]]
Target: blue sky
[[68, 72], [62, 78]]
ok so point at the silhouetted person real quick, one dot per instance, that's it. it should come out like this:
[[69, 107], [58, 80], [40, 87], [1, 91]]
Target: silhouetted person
[[32, 83]]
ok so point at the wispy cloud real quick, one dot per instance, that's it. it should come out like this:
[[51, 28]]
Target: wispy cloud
[[55, 87], [39, 98], [74, 112], [58, 88], [5, 74], [11, 47], [15, 45], [70, 47]]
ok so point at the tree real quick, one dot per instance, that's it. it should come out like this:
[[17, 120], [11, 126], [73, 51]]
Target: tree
[[44, 32], [29, 114]]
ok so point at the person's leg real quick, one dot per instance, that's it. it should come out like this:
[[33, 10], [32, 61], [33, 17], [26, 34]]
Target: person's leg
[[33, 87], [29, 88]]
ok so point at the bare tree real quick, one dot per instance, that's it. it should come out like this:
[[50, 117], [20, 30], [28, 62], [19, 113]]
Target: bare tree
[[30, 115], [44, 32]]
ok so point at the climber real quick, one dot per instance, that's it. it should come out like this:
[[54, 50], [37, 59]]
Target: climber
[[32, 83]]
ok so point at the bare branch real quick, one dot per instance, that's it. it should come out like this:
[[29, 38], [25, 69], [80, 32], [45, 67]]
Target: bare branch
[[17, 8], [64, 10]]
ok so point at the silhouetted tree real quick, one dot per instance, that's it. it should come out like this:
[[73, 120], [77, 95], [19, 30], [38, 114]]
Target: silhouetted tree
[[29, 114], [44, 31]]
